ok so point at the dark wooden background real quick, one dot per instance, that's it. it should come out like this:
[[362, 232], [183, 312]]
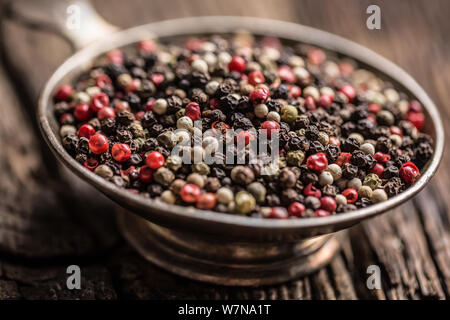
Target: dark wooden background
[[48, 222]]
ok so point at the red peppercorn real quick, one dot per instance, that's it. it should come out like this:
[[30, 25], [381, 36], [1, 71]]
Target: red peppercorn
[[417, 119], [82, 112], [409, 172], [145, 174], [106, 112], [320, 213], [316, 56], [149, 105], [343, 158], [64, 92], [147, 45], [214, 103], [259, 95], [312, 191], [190, 193], [296, 209], [348, 91], [325, 101], [99, 101], [351, 195], [346, 68], [295, 91], [328, 204], [102, 81], [378, 169], [86, 130], [334, 140], [415, 106], [381, 157], [115, 56], [155, 160], [310, 104], [278, 213], [286, 74], [245, 136], [91, 164], [121, 152], [193, 111], [66, 118], [98, 143], [207, 201], [317, 162], [374, 108], [157, 78], [237, 64], [219, 127], [271, 127], [255, 78], [396, 130]]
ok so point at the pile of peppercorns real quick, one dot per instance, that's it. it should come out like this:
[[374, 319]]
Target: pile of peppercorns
[[347, 138]]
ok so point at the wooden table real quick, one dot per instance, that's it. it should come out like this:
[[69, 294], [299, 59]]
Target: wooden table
[[48, 223]]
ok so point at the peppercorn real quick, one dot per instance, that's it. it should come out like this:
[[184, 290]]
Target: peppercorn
[[349, 171], [365, 192], [104, 171], [163, 176], [245, 202], [373, 181], [378, 195], [325, 178], [242, 175], [177, 185], [201, 168], [197, 179], [289, 113]]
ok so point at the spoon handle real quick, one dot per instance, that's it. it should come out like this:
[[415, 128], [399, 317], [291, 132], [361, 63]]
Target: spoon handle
[[75, 20]]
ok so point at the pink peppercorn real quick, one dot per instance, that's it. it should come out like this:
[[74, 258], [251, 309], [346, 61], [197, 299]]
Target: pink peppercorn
[[255, 78], [351, 194], [259, 95], [82, 112], [270, 127], [64, 92], [98, 143], [286, 74], [417, 119], [312, 191], [328, 204], [193, 111], [381, 157], [320, 213], [377, 169], [190, 193], [106, 112], [409, 172], [155, 160], [317, 162], [145, 174], [99, 101], [296, 209], [121, 152], [237, 64], [348, 91], [325, 101], [310, 104], [278, 213], [86, 131]]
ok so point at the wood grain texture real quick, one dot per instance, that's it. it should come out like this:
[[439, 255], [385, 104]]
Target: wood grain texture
[[40, 234]]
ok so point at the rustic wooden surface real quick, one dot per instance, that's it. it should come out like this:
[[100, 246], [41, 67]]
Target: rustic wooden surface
[[48, 223]]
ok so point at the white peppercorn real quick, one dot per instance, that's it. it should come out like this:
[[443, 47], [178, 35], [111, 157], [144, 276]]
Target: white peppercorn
[[224, 195], [379, 195], [197, 179], [274, 116], [325, 178], [354, 183], [368, 148], [261, 110], [185, 123], [340, 199], [160, 106], [168, 197], [365, 192], [335, 171]]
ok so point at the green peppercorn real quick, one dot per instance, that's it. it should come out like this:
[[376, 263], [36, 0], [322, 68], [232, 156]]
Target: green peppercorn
[[295, 158], [301, 132], [201, 168], [258, 191], [137, 130], [168, 139], [245, 202], [180, 113], [104, 171], [164, 176], [289, 113], [173, 162], [373, 181]]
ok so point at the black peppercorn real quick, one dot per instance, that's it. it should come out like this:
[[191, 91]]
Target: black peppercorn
[[350, 145], [349, 171]]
